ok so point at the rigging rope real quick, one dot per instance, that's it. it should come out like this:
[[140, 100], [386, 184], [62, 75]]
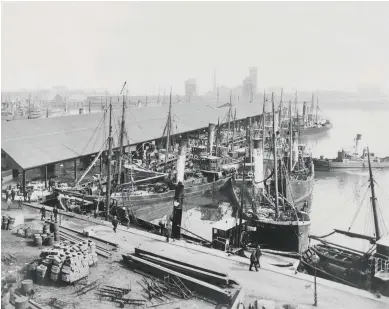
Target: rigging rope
[[359, 208], [98, 126]]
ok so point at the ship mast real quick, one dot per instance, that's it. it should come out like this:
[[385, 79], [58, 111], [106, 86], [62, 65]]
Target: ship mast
[[290, 137], [312, 105], [280, 116], [217, 137], [275, 157], [109, 159], [233, 130], [168, 127], [121, 149], [373, 199], [263, 122], [229, 123], [317, 107]]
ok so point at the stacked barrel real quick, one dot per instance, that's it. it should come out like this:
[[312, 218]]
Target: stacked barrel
[[7, 223]]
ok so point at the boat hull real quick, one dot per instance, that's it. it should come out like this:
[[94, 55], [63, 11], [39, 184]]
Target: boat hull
[[315, 130], [327, 165], [281, 235]]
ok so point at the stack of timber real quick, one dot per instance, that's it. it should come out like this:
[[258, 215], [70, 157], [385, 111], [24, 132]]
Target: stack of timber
[[103, 248], [179, 277]]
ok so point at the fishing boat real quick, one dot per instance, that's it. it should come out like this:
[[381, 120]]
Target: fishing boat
[[273, 221], [311, 123], [295, 156], [150, 198], [351, 159], [365, 270]]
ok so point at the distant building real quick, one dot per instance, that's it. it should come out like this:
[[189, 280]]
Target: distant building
[[190, 88], [253, 71], [249, 89]]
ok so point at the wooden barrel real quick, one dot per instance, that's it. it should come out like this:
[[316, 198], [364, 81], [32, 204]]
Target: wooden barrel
[[12, 295], [46, 228], [21, 232], [55, 227], [5, 299], [28, 232], [21, 303], [44, 237], [4, 222], [38, 240], [11, 278], [50, 240], [27, 286], [10, 224]]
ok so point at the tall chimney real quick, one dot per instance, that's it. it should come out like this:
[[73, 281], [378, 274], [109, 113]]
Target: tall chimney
[[304, 112], [357, 139], [295, 149], [181, 163], [258, 162], [211, 137], [177, 210]]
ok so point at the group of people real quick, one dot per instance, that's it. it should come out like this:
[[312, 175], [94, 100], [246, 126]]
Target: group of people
[[43, 213]]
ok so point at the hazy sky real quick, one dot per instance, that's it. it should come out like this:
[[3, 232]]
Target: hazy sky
[[303, 45]]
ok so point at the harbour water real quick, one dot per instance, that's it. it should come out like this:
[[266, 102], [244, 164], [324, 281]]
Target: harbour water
[[337, 194]]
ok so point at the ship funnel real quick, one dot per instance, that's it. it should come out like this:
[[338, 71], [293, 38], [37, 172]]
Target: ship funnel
[[295, 150], [211, 137], [181, 163], [304, 112], [357, 139], [258, 163]]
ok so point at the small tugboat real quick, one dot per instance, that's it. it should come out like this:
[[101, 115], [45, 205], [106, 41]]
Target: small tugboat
[[366, 270], [351, 159]]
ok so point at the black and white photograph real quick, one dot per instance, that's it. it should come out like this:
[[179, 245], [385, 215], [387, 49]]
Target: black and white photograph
[[195, 154]]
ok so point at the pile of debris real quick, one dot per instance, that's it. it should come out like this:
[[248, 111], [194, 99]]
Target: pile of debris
[[67, 262]]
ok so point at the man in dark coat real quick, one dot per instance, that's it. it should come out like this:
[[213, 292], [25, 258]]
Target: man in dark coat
[[43, 212], [55, 213], [253, 261], [115, 223], [258, 255], [13, 193]]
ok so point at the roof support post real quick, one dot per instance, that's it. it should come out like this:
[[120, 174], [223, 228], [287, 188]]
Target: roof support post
[[75, 169], [24, 181], [45, 176]]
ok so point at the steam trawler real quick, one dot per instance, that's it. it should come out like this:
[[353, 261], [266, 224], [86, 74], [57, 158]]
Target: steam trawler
[[273, 221], [351, 159], [367, 270], [310, 123], [150, 198]]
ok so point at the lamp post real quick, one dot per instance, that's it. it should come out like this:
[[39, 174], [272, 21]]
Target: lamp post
[[315, 260]]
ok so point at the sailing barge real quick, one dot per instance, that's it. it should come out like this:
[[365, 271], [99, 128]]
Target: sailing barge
[[366, 270]]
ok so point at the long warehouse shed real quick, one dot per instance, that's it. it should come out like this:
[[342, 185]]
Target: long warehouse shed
[[37, 142]]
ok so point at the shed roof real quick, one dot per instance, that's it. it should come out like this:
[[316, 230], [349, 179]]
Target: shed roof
[[37, 142]]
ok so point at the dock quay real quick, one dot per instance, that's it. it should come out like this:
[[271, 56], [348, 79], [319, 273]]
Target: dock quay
[[271, 286]]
